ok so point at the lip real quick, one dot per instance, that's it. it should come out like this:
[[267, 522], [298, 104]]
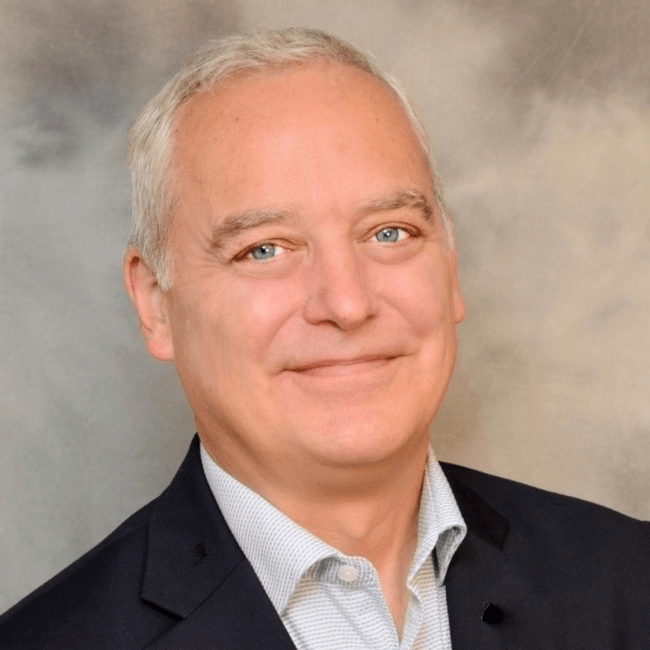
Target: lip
[[343, 367]]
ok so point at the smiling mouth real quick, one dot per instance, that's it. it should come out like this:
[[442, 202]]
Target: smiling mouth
[[344, 367]]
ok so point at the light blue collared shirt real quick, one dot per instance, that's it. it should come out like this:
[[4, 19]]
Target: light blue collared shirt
[[328, 600]]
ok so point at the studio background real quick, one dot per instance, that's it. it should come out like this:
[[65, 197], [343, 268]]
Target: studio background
[[539, 114]]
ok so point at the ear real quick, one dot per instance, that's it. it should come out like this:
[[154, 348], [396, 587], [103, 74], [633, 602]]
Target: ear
[[457, 295], [151, 304]]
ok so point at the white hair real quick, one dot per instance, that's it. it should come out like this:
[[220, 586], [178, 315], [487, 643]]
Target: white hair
[[150, 138]]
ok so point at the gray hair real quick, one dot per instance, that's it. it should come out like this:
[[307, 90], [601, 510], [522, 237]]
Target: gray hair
[[150, 138]]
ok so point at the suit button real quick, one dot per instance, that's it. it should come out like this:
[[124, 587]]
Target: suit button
[[492, 614]]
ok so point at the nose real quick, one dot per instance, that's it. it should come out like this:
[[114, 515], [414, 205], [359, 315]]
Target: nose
[[339, 290]]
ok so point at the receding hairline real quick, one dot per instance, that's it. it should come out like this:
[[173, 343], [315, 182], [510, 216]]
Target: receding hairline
[[279, 70], [216, 62], [213, 89]]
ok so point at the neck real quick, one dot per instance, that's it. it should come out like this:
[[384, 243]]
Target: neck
[[368, 511], [380, 526], [373, 516]]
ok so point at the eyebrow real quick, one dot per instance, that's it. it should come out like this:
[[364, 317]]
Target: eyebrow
[[235, 224], [401, 199]]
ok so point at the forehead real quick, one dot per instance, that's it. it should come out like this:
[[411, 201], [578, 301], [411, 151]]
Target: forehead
[[246, 96], [253, 127]]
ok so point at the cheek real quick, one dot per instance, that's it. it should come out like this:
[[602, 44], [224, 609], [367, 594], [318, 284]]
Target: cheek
[[251, 315], [422, 295], [224, 332]]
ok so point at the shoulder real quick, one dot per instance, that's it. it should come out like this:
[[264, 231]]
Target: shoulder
[[139, 582], [96, 586], [578, 571], [522, 501], [554, 526]]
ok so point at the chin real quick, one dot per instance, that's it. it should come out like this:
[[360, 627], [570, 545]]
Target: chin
[[364, 444]]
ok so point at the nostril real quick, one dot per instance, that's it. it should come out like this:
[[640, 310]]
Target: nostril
[[339, 294]]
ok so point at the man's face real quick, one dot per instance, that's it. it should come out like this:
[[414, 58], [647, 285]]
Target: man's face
[[314, 301]]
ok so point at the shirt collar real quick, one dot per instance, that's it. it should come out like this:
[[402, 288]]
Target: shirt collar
[[441, 527], [281, 551]]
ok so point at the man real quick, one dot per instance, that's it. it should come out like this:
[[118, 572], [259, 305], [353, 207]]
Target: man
[[293, 257]]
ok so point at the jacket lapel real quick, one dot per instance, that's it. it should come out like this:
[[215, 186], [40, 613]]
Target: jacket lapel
[[196, 573], [487, 589], [237, 614]]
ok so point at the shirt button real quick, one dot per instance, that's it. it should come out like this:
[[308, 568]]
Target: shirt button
[[348, 573]]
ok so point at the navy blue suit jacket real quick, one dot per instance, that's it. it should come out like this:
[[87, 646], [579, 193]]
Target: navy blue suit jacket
[[559, 572]]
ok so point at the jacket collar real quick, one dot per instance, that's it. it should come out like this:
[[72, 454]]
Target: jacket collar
[[196, 573], [485, 583], [481, 518]]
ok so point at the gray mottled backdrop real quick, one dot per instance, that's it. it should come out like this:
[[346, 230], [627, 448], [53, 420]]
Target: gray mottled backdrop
[[539, 111]]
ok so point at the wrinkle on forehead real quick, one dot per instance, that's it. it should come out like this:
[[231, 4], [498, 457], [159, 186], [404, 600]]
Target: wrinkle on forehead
[[234, 224]]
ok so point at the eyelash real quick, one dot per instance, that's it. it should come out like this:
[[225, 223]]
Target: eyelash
[[246, 253], [412, 232], [409, 231]]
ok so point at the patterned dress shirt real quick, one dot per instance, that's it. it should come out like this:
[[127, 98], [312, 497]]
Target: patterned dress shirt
[[331, 601]]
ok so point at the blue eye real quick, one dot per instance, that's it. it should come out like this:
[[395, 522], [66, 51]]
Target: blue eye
[[388, 235], [263, 252]]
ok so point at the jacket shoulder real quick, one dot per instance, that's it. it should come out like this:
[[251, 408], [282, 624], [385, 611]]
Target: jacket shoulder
[[567, 573], [66, 611], [556, 527], [514, 499]]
